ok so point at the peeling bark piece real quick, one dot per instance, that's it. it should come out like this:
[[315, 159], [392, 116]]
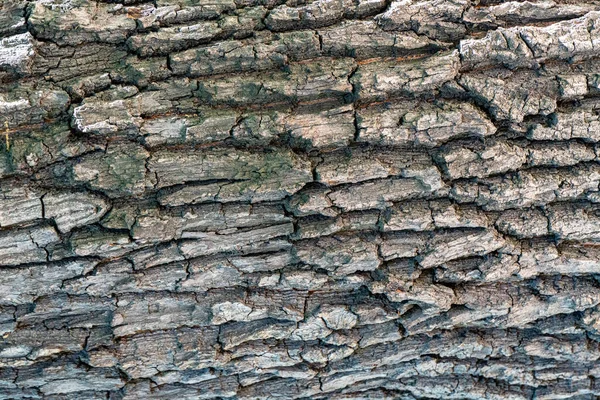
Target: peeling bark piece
[[580, 124], [416, 177], [211, 275], [422, 216], [506, 47], [153, 225], [526, 47], [12, 20], [311, 202], [109, 278], [566, 296], [176, 12], [121, 111], [156, 312], [355, 221], [90, 118], [95, 242], [141, 72], [249, 174], [18, 205], [92, 23], [209, 127], [35, 149], [421, 125], [26, 245], [362, 165], [235, 334], [523, 223], [163, 278], [550, 348], [258, 129], [60, 311], [71, 379], [319, 13], [530, 188], [142, 355], [214, 388], [169, 130], [574, 221], [511, 100], [22, 285], [478, 160], [332, 128], [185, 377], [343, 255], [573, 259], [20, 348], [71, 210], [286, 305], [434, 297], [318, 80], [364, 40], [572, 86], [402, 245], [517, 12], [438, 19], [379, 81], [78, 88], [171, 39], [25, 106], [246, 55], [414, 216], [378, 194], [560, 154], [151, 257], [16, 55], [445, 214], [338, 318], [262, 262], [120, 171], [212, 243], [449, 246], [61, 63]]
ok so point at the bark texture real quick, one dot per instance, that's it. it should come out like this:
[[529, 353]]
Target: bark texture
[[325, 199]]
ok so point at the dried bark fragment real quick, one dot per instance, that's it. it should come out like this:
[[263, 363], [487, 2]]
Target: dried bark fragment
[[528, 46], [379, 81], [421, 124]]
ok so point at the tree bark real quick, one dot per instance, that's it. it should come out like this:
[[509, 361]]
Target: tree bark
[[325, 199]]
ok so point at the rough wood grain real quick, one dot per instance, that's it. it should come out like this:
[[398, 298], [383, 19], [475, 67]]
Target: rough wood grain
[[292, 199]]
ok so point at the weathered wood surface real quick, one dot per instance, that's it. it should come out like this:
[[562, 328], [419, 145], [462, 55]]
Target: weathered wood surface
[[328, 199]]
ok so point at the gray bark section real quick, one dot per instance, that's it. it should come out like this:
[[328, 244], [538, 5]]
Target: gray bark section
[[330, 199]]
